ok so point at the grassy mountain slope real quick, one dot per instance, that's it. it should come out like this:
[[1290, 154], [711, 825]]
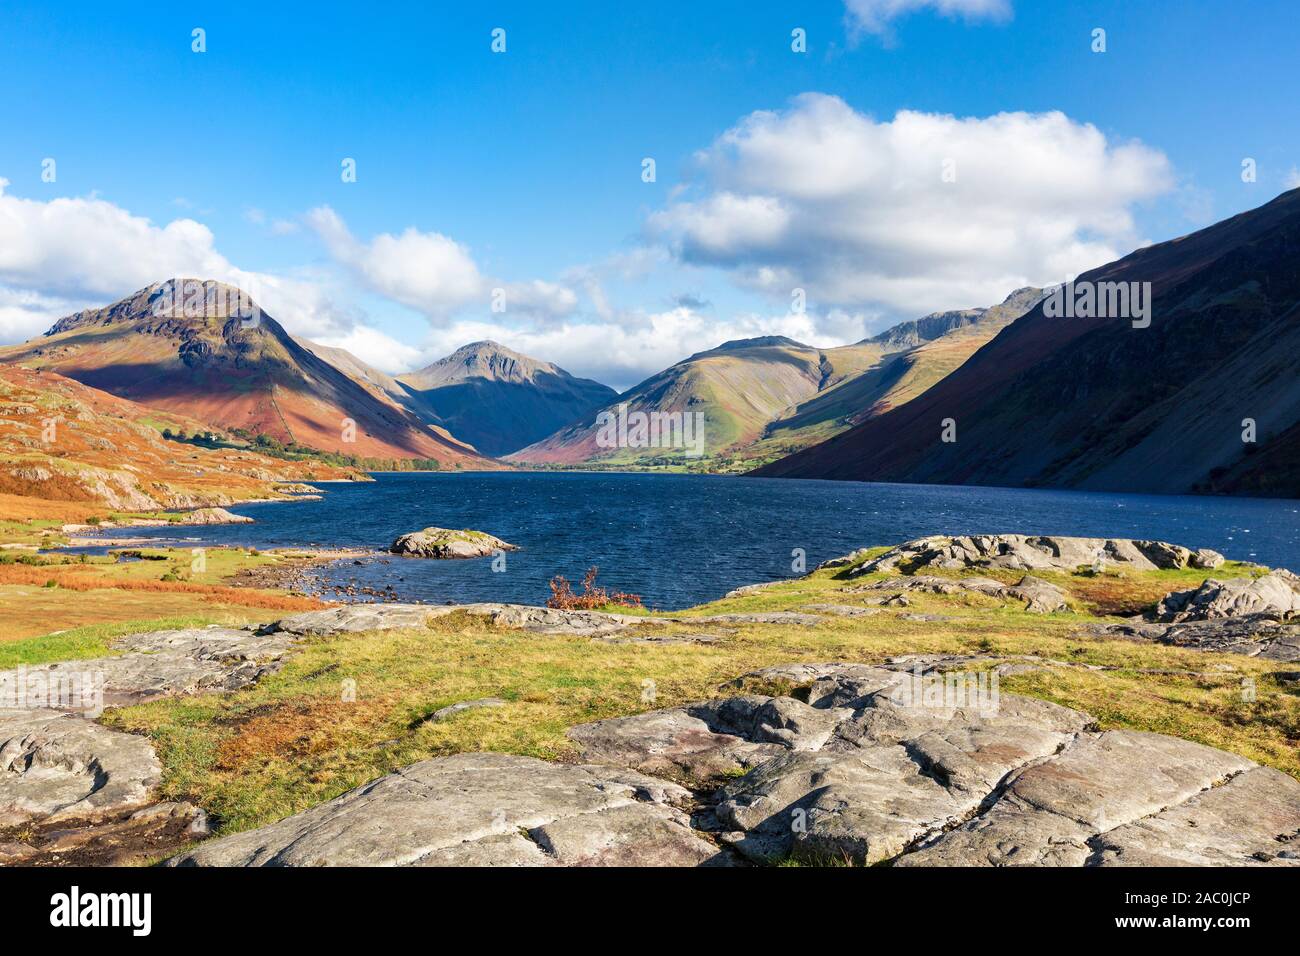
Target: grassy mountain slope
[[64, 441], [230, 373], [1096, 403], [768, 397], [739, 387]]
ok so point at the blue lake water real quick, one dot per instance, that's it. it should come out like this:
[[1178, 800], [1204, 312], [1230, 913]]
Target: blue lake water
[[679, 540]]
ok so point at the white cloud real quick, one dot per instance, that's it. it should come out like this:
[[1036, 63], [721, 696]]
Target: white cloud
[[432, 273], [66, 254], [425, 271], [875, 16], [1292, 180], [857, 212], [83, 248]]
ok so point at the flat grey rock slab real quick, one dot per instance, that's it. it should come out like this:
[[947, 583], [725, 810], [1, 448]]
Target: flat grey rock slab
[[1254, 635], [1029, 552], [843, 610], [159, 664], [660, 639], [451, 710], [1052, 812], [760, 617], [887, 763], [55, 766], [1248, 821], [359, 618], [1040, 597], [355, 619], [480, 809]]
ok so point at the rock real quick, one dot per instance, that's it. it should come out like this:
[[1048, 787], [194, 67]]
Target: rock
[[1255, 635], [1164, 555], [751, 589], [358, 618], [1236, 824], [1026, 553], [1052, 812], [354, 619], [669, 638], [843, 610], [872, 768], [1206, 558], [480, 809], [213, 516], [763, 617], [844, 560], [1040, 597], [445, 543], [1277, 593], [55, 766], [155, 664], [452, 710], [679, 743]]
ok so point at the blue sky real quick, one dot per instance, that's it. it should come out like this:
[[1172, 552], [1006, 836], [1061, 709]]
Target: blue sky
[[522, 171]]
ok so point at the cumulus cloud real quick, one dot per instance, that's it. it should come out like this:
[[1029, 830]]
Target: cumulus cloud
[[80, 248], [875, 16], [61, 255], [425, 271], [918, 213], [1292, 180], [433, 273]]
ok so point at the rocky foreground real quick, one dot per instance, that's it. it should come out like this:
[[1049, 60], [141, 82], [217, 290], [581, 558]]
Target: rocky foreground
[[850, 775], [913, 760]]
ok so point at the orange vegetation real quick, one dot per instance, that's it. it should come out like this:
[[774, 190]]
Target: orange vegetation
[[82, 578]]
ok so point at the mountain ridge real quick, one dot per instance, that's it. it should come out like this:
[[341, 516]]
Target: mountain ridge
[[232, 368], [1101, 405]]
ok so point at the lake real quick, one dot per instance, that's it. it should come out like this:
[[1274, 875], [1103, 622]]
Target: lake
[[679, 540]]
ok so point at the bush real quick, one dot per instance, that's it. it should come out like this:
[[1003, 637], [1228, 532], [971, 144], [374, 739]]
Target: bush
[[564, 598]]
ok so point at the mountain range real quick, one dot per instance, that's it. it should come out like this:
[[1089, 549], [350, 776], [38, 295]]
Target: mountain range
[[1014, 394], [763, 398], [234, 369], [1204, 398]]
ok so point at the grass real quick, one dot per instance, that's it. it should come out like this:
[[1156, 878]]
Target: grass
[[36, 589], [96, 640], [293, 741]]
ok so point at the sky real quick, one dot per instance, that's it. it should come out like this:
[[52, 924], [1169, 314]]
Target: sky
[[622, 185]]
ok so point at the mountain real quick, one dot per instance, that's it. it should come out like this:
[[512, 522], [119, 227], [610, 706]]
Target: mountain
[[914, 355], [383, 386], [65, 441], [1100, 404], [739, 388], [181, 346], [767, 397], [496, 399]]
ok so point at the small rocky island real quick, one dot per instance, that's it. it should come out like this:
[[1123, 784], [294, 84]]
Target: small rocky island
[[443, 543]]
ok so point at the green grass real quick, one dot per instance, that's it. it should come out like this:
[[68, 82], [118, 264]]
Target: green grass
[[256, 755], [94, 640]]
